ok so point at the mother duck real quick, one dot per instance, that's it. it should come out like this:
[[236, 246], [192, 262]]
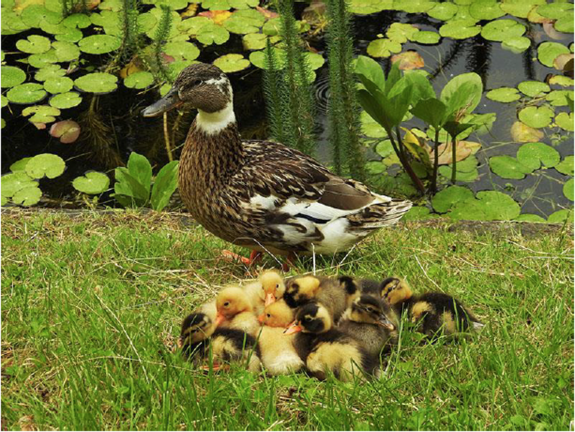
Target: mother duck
[[261, 194]]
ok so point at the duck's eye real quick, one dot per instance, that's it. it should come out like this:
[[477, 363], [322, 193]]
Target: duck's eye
[[196, 82], [306, 319]]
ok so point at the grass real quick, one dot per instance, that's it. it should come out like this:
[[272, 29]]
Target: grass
[[91, 309]]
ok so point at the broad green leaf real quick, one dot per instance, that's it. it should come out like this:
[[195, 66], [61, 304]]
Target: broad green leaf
[[528, 217], [370, 127], [139, 167], [534, 155], [536, 117], [384, 148], [516, 44], [561, 216], [462, 92], [366, 7], [508, 167], [427, 38], [27, 93], [244, 21], [444, 200], [565, 167], [129, 191], [486, 10], [459, 29], [431, 111], [370, 70], [533, 88], [66, 100], [489, 205], [229, 63], [20, 165], [401, 33], [373, 107], [50, 71], [28, 196], [164, 186], [443, 11], [34, 44], [11, 76], [503, 94], [501, 30], [559, 97], [66, 51], [555, 10], [45, 164], [41, 113], [97, 82], [568, 189], [139, 80], [182, 50], [58, 85], [383, 47], [13, 182], [99, 44], [565, 121], [520, 8], [92, 183], [547, 52]]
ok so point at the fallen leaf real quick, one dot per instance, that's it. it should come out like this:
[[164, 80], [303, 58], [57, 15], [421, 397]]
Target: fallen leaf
[[218, 16], [190, 11], [67, 131], [462, 151], [551, 32], [561, 61], [408, 60], [520, 132]]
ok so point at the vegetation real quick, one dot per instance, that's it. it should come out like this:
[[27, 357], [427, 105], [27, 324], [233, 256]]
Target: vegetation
[[92, 304]]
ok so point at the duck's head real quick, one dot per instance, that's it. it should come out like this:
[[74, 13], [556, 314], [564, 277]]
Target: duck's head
[[231, 302], [371, 310], [311, 318], [277, 314], [273, 286], [395, 290], [300, 290], [202, 86], [196, 327]]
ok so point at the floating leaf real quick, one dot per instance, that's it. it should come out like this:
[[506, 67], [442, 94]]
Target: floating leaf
[[536, 117], [534, 155], [366, 7], [28, 196], [516, 44], [533, 88], [232, 63], [26, 93], [562, 62], [408, 60], [555, 10], [489, 205], [371, 128], [66, 100], [139, 80], [11, 76], [12, 183], [561, 216], [559, 97], [383, 48], [443, 11], [426, 37], [459, 29], [466, 170], [35, 14], [58, 85], [414, 6], [40, 61], [565, 24], [520, 132], [92, 183], [205, 31], [99, 44], [67, 131], [565, 121], [401, 33], [565, 167], [42, 113], [244, 21], [374, 167], [20, 165], [520, 8], [34, 44], [254, 41], [77, 20], [97, 82], [45, 164], [502, 30], [182, 50], [568, 189], [547, 52], [527, 217], [503, 94], [444, 200], [66, 51], [508, 167], [486, 10], [50, 71]]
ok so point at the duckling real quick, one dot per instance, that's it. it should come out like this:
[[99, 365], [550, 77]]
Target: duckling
[[372, 322], [232, 345], [328, 291], [263, 195], [235, 311], [265, 290], [395, 290], [278, 353], [196, 328], [326, 349]]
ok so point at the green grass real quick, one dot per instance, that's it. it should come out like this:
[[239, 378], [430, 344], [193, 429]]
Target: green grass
[[91, 309]]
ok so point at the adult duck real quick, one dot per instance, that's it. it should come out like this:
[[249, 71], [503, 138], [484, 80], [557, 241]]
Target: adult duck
[[261, 194]]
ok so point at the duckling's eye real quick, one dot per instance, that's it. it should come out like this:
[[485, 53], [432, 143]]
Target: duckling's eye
[[277, 285], [268, 315], [226, 304], [307, 319]]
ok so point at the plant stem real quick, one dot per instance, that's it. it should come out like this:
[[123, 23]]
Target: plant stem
[[435, 162], [405, 163], [167, 138], [453, 159]]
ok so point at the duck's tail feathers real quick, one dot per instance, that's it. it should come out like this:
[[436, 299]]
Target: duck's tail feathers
[[379, 214]]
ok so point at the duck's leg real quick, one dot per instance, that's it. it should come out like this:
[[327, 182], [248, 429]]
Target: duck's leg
[[289, 262], [255, 257]]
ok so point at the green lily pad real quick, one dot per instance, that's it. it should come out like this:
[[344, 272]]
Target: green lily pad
[[426, 38], [503, 94], [559, 97], [205, 31], [384, 148], [371, 128], [40, 61], [501, 30], [70, 35], [561, 80], [565, 121], [366, 7], [99, 44], [459, 29], [516, 44], [66, 100], [34, 44], [45, 164], [534, 155], [561, 216], [508, 167], [232, 63], [77, 20], [244, 21], [20, 165], [486, 10], [182, 50], [12, 183], [443, 11], [49, 72], [536, 117], [555, 10], [139, 80], [58, 85], [414, 6], [533, 88], [254, 41], [565, 23], [463, 172], [27, 197], [375, 167], [520, 8], [528, 217], [383, 48], [66, 51], [11, 76], [3, 101], [547, 52], [97, 82], [35, 14], [444, 200], [565, 167], [520, 132], [42, 113], [489, 205], [401, 33], [92, 183], [418, 213], [26, 93], [568, 189]]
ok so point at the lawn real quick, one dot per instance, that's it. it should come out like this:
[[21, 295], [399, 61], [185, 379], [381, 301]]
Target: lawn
[[92, 306]]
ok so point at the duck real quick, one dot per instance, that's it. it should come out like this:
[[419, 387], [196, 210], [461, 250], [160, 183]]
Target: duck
[[260, 194], [277, 351], [235, 311], [327, 350], [265, 290]]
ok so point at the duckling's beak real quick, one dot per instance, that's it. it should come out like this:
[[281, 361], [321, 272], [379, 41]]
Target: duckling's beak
[[270, 298], [293, 328], [170, 101], [219, 319], [385, 322], [261, 318]]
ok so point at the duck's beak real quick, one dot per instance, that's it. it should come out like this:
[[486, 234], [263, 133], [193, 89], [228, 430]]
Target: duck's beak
[[219, 319], [270, 298], [170, 101], [384, 321], [293, 328]]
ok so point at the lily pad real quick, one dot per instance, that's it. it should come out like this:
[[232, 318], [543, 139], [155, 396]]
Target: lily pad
[[489, 205], [501, 30], [555, 10], [383, 48], [528, 217], [182, 50], [20, 165], [561, 216], [99, 44], [520, 132], [465, 171], [28, 196], [244, 21], [568, 189], [426, 37], [559, 97], [508, 167], [565, 121], [535, 155], [12, 183], [366, 7], [401, 33], [97, 82], [536, 117], [49, 72], [40, 61], [503, 94], [92, 183], [443, 11], [139, 80], [58, 85], [67, 131], [565, 23], [533, 88], [66, 51], [45, 164], [516, 44], [486, 10], [254, 41], [66, 100], [204, 30], [42, 113], [444, 200], [11, 76], [459, 29], [34, 44], [371, 128], [414, 6], [3, 101], [77, 20], [35, 14], [520, 8], [232, 63], [26, 93], [547, 52], [384, 148], [565, 167]]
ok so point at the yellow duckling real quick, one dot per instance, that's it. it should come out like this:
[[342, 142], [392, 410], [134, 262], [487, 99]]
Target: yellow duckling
[[235, 311], [265, 290]]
